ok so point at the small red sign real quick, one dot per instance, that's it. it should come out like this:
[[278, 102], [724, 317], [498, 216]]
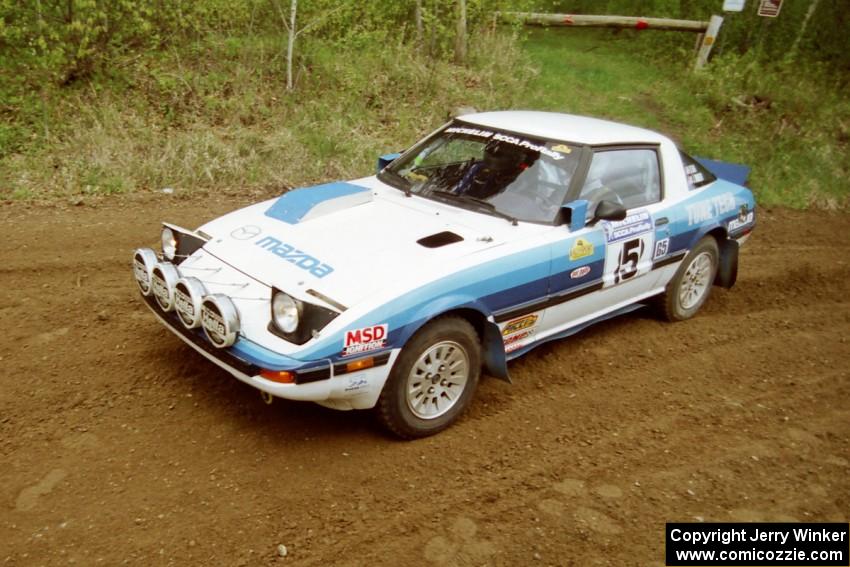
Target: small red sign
[[770, 8]]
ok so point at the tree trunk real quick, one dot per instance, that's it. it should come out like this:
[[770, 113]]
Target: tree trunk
[[417, 16], [460, 38], [290, 46]]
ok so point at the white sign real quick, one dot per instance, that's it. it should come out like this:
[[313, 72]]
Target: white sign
[[770, 8], [734, 5]]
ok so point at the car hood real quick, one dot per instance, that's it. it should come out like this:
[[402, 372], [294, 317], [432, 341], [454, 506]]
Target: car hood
[[347, 243]]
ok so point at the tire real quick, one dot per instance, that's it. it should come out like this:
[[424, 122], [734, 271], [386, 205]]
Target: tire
[[690, 287], [422, 398]]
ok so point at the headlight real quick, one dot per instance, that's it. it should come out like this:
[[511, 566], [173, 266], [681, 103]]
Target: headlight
[[169, 244], [179, 243], [297, 321], [286, 312]]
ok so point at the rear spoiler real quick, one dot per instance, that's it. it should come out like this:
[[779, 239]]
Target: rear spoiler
[[737, 173]]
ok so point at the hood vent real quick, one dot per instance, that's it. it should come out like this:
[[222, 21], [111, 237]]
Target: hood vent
[[440, 239]]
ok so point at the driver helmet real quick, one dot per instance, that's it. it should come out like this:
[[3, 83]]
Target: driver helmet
[[501, 157]]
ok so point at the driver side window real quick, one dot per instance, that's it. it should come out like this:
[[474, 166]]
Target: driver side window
[[628, 177]]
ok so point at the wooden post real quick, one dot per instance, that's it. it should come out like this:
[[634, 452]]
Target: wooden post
[[708, 41], [417, 15], [460, 39], [582, 20], [290, 44]]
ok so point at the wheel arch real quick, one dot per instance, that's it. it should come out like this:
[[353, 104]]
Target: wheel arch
[[476, 314]]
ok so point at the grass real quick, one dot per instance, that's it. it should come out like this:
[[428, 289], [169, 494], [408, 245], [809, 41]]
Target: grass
[[214, 115], [792, 128]]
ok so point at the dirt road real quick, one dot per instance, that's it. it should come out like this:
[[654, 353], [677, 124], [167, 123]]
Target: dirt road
[[119, 444]]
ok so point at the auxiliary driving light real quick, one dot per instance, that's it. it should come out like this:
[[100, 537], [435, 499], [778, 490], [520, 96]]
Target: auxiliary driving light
[[164, 277], [188, 294], [220, 320], [144, 260]]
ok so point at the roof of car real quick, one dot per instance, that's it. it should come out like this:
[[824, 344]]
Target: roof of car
[[566, 127]]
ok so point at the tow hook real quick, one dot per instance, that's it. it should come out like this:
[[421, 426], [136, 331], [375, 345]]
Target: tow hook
[[268, 398]]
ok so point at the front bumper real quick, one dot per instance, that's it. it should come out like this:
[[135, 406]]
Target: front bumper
[[328, 384]]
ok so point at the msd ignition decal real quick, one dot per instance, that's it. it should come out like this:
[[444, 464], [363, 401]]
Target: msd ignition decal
[[626, 252], [710, 208], [294, 256], [358, 341]]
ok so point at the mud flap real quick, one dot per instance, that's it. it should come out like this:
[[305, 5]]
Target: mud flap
[[727, 270], [495, 362]]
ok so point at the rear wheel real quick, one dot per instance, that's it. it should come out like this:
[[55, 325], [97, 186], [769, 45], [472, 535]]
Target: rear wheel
[[433, 380], [690, 287]]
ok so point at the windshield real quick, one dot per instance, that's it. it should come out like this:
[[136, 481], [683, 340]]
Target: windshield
[[500, 173]]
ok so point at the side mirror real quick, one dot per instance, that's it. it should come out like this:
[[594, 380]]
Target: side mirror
[[386, 159], [608, 210]]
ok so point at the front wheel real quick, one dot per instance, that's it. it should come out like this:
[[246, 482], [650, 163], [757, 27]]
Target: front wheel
[[690, 287], [433, 380]]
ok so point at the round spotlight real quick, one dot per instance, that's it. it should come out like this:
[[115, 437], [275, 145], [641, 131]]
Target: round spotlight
[[144, 260], [220, 320], [188, 294], [163, 279]]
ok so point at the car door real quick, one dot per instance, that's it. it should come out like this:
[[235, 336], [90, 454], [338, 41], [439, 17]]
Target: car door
[[608, 264]]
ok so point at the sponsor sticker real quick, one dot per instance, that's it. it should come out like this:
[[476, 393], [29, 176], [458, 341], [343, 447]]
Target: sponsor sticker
[[358, 341], [662, 247], [579, 272], [141, 274], [744, 218], [529, 145], [517, 340], [581, 249], [469, 131], [710, 208], [355, 384], [214, 325], [519, 324], [634, 224], [564, 149], [516, 337], [160, 290], [183, 305]]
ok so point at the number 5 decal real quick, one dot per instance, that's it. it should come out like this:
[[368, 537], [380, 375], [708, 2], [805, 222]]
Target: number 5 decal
[[629, 257]]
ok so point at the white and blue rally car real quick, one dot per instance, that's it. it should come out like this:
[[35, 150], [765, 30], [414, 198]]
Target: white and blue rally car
[[496, 233]]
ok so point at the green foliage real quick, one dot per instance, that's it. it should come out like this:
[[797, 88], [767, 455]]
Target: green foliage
[[792, 129], [823, 42], [214, 114], [110, 96]]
